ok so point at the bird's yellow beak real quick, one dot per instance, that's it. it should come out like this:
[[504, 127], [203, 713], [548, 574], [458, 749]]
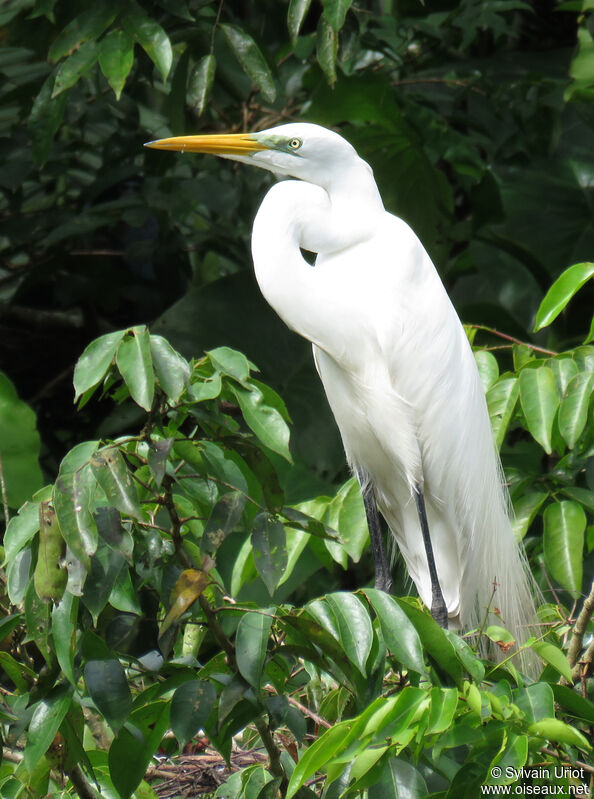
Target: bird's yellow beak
[[217, 144]]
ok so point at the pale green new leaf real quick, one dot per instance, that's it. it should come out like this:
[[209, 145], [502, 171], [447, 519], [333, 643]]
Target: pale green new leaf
[[116, 57], [502, 399]]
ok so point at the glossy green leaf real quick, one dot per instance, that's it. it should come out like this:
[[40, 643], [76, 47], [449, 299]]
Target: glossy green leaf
[[223, 518], [327, 50], [540, 400], [74, 493], [398, 779], [47, 716], [295, 16], [251, 59], [554, 656], [88, 25], [561, 292], [559, 732], [399, 633], [265, 420], [116, 57], [134, 361], [502, 399], [346, 513], [200, 82], [269, 542], [230, 362], [135, 744], [510, 759], [107, 684], [191, 705], [171, 369], [93, 364], [152, 38], [19, 446], [488, 368], [576, 704], [251, 644], [64, 631], [590, 336], [434, 640], [335, 12], [537, 700], [573, 411], [564, 370], [525, 509], [111, 472], [354, 628], [318, 754], [444, 702], [74, 67], [564, 528], [20, 530]]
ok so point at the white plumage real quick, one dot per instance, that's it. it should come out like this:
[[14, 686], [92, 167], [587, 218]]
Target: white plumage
[[395, 362]]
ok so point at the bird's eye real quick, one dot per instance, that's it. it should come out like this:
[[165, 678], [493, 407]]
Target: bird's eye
[[295, 144]]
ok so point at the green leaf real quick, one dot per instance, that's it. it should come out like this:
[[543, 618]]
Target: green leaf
[[354, 628], [20, 530], [319, 754], [554, 657], [346, 513], [501, 401], [230, 362], [93, 364], [564, 528], [200, 82], [561, 292], [512, 755], [590, 335], [74, 494], [573, 702], [172, 370], [525, 509], [64, 632], [19, 446], [152, 38], [573, 411], [444, 702], [74, 67], [251, 644], [223, 518], [295, 16], [398, 780], [270, 549], [133, 359], [88, 25], [558, 731], [265, 420], [335, 12], [540, 400], [158, 457], [45, 120], [536, 701], [50, 575], [399, 633], [564, 370], [191, 705], [107, 684], [251, 59], [326, 50], [134, 746], [111, 472], [488, 368], [116, 57], [47, 716]]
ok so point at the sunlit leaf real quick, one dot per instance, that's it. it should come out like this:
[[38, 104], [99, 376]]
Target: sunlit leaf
[[189, 586], [171, 369], [540, 400], [93, 364], [502, 399], [134, 361], [561, 292], [525, 509], [116, 57], [573, 411]]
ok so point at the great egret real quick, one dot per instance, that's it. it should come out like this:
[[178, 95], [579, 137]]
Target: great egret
[[396, 366]]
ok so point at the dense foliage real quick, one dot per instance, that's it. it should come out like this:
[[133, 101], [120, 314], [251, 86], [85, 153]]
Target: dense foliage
[[188, 564]]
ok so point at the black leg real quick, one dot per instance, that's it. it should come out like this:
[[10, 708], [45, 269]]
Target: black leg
[[439, 610], [383, 578]]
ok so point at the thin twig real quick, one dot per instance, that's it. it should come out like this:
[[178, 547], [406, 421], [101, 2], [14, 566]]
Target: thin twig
[[4, 495], [579, 629], [513, 339]]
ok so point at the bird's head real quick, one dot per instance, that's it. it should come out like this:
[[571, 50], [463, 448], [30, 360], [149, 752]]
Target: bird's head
[[300, 150]]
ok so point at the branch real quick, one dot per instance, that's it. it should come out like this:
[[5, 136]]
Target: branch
[[4, 494], [576, 641], [514, 340]]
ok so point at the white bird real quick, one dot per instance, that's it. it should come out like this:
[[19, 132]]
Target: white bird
[[396, 366]]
